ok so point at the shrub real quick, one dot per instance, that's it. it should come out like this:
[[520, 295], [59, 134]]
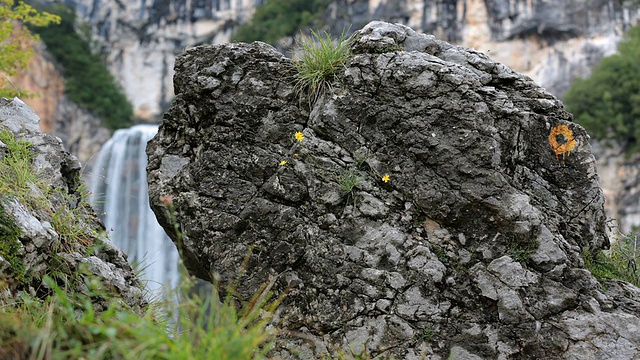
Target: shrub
[[607, 104], [276, 19]]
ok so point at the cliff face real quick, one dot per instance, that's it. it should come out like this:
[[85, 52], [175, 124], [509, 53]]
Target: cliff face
[[81, 132], [142, 38], [551, 41]]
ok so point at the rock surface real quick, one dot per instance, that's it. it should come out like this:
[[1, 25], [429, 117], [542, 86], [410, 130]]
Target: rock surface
[[471, 249], [42, 249]]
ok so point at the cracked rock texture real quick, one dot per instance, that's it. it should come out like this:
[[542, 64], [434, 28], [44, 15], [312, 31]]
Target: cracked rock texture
[[470, 250]]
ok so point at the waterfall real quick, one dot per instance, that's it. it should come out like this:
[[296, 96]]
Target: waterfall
[[120, 195]]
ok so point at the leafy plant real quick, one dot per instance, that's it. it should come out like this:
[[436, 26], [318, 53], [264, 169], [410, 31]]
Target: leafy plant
[[16, 41], [10, 245], [277, 19], [522, 249], [607, 104], [319, 58]]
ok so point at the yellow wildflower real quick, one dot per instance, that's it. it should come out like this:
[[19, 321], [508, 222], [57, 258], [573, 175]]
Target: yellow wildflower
[[283, 162], [385, 178], [299, 136]]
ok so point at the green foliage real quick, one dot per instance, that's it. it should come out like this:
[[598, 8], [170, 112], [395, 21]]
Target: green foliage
[[348, 181], [620, 262], [16, 175], [88, 83], [10, 245], [319, 58], [16, 41], [67, 325], [276, 19], [521, 249], [18, 180], [608, 103]]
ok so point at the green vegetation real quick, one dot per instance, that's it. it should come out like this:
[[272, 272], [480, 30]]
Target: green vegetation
[[88, 83], [608, 103], [521, 248], [66, 325], [276, 19], [19, 181], [620, 262], [319, 58], [10, 245], [16, 42]]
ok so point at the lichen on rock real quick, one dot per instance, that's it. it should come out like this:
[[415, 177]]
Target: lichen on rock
[[471, 247]]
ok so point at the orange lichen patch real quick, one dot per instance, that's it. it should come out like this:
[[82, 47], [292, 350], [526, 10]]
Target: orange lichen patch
[[562, 141]]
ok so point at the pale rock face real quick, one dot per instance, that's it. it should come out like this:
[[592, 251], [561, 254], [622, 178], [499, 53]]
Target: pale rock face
[[552, 42], [142, 39]]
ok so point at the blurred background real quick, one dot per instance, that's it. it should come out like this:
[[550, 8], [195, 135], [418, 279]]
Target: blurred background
[[109, 65]]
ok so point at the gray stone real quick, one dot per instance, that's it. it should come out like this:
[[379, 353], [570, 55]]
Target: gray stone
[[41, 246], [471, 228]]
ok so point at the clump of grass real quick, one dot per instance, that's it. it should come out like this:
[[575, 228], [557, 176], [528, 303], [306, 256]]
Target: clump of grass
[[18, 180], [320, 57], [67, 325], [348, 181]]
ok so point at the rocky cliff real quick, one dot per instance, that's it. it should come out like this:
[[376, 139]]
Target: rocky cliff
[[46, 224], [81, 131], [433, 202], [551, 41]]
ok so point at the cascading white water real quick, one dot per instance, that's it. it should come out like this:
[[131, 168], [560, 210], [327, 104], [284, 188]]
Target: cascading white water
[[119, 187]]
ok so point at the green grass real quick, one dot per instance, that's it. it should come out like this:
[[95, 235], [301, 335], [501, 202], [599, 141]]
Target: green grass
[[20, 182], [318, 58], [10, 245], [67, 325], [620, 262]]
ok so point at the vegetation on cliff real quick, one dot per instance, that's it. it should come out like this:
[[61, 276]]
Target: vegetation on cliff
[[276, 19], [607, 104], [88, 82], [16, 41]]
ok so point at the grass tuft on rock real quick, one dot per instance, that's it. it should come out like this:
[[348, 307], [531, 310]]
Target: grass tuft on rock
[[319, 58]]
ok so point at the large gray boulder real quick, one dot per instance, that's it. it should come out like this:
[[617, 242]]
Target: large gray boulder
[[471, 249]]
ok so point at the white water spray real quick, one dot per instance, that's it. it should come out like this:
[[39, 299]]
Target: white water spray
[[119, 186]]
